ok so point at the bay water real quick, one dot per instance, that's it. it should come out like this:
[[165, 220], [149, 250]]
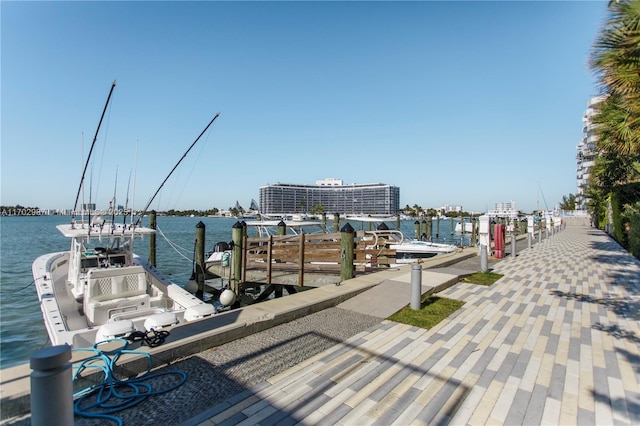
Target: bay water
[[22, 239]]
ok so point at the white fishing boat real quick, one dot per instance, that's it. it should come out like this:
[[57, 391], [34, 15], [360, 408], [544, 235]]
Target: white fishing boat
[[407, 250], [99, 289]]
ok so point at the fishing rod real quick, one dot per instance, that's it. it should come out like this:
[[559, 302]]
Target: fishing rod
[[95, 137], [126, 203], [113, 206], [174, 168]]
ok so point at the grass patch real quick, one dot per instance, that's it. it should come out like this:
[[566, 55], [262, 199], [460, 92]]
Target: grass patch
[[482, 278], [433, 309]]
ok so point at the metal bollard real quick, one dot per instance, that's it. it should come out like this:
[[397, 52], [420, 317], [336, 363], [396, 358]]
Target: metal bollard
[[529, 240], [416, 286], [484, 261], [539, 235], [513, 245], [51, 386]]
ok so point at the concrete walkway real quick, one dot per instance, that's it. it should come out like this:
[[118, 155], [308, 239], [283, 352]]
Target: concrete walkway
[[555, 341]]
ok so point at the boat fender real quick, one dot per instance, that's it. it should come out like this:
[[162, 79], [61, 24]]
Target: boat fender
[[227, 298]]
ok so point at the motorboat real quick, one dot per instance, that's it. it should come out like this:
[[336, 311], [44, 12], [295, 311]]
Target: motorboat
[[294, 226], [407, 250], [99, 289]]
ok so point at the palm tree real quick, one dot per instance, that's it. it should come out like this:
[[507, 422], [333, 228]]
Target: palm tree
[[616, 60], [617, 127]]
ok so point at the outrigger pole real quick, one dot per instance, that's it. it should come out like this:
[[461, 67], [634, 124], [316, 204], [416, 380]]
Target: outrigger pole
[[95, 137], [174, 168]]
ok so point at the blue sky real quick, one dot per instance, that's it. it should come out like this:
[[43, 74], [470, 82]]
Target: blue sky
[[462, 103]]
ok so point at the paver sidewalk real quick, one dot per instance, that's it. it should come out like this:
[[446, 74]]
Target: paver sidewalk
[[555, 341]]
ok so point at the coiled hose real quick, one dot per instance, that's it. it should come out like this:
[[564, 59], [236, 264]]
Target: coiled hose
[[112, 395]]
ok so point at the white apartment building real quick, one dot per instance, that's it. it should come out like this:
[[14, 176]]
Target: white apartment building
[[333, 195], [586, 151]]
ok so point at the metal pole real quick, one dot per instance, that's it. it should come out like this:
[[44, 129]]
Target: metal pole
[[484, 262], [529, 240], [416, 286], [51, 387], [513, 245]]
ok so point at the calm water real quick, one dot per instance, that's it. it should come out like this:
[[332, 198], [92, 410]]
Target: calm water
[[22, 239]]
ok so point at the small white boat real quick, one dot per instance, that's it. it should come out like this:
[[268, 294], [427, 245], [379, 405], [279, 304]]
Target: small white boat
[[407, 251], [264, 228]]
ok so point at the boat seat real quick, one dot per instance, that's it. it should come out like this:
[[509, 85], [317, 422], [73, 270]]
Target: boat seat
[[114, 290]]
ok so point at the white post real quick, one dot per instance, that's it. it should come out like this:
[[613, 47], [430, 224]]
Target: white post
[[484, 239], [484, 231]]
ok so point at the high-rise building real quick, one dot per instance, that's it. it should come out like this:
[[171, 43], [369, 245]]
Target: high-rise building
[[332, 195], [586, 151]]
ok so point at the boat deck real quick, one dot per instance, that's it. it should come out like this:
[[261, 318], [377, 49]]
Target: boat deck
[[72, 310]]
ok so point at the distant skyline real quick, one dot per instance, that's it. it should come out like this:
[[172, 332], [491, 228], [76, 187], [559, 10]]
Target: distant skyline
[[458, 103]]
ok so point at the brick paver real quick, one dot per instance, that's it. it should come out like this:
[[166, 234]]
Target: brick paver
[[555, 341]]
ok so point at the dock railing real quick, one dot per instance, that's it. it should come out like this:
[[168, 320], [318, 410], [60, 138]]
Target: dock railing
[[310, 253]]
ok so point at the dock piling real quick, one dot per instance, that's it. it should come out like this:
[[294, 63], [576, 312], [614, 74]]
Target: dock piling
[[236, 257], [347, 252]]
